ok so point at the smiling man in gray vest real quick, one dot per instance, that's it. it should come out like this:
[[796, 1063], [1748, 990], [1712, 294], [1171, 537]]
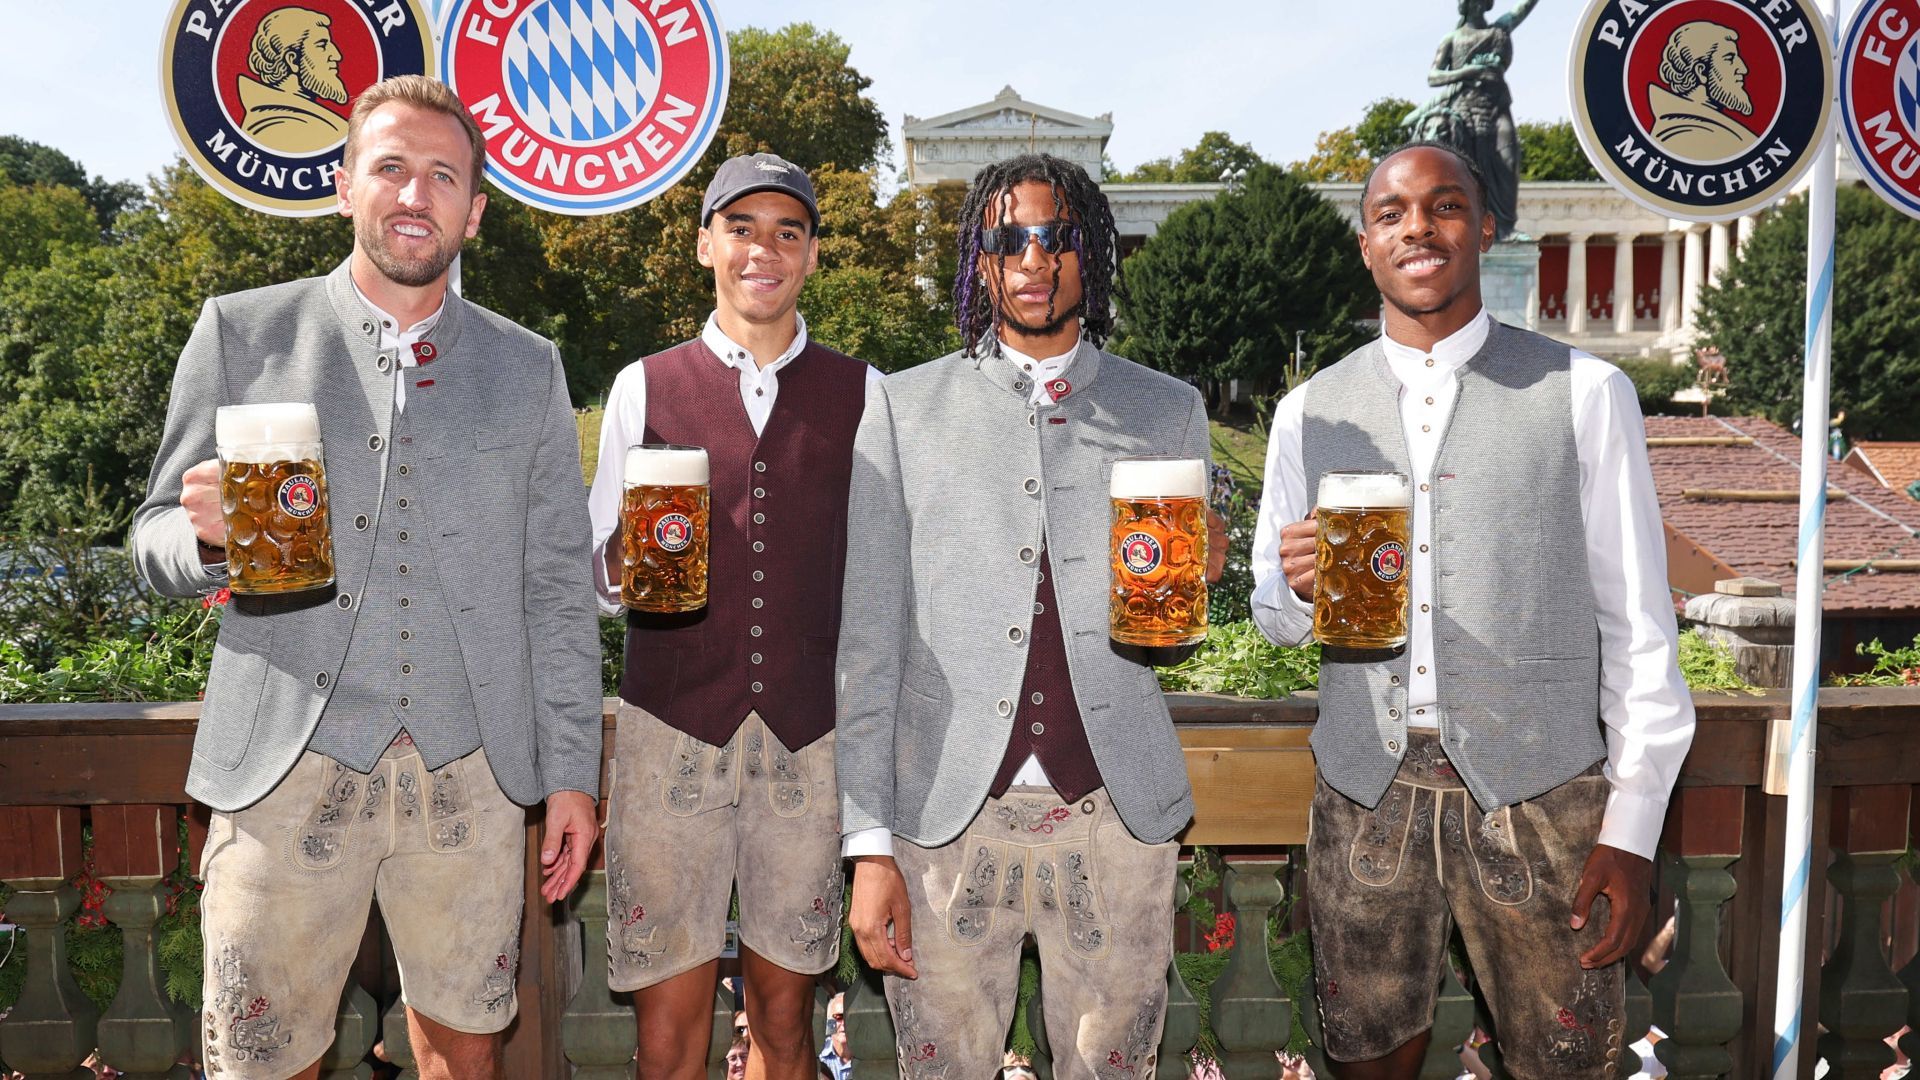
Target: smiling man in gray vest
[[724, 760], [371, 739], [1004, 769], [1509, 769]]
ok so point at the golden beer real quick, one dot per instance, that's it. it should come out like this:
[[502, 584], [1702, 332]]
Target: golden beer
[[663, 537], [1360, 560], [273, 494], [1158, 551]]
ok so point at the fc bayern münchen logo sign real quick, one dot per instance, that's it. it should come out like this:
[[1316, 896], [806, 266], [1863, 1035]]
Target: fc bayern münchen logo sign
[[1701, 109], [259, 91], [1880, 98], [589, 106]]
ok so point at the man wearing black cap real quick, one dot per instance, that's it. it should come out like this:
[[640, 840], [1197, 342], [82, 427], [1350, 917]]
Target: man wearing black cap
[[724, 761]]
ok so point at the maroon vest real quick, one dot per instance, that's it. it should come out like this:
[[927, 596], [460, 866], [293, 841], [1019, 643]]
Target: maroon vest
[[767, 637], [1046, 723]]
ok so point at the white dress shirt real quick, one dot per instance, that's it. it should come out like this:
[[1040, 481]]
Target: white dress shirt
[[1644, 701], [400, 342], [624, 424], [879, 841]]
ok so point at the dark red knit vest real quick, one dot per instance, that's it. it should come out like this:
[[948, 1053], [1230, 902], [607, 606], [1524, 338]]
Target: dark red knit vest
[[767, 637], [1046, 723]]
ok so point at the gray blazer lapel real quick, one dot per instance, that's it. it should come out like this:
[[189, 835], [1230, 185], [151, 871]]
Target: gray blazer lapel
[[357, 387]]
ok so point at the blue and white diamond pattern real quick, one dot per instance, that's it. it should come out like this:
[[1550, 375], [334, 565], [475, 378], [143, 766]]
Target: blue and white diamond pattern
[[582, 71]]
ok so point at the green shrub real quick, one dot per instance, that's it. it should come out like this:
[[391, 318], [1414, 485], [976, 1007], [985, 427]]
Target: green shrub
[[1891, 667], [1708, 665], [1656, 381], [1237, 659]]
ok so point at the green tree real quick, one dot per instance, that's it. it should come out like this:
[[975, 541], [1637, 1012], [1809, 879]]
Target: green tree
[[1348, 153], [1549, 150], [26, 163], [34, 220], [1222, 287], [1756, 316], [1201, 163], [794, 93]]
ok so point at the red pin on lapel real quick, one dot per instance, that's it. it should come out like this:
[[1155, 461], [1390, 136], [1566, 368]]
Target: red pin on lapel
[[1059, 388], [424, 352]]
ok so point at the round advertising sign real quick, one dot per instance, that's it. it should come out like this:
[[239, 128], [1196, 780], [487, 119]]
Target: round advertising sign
[[258, 91], [1702, 110], [1880, 98], [589, 106]]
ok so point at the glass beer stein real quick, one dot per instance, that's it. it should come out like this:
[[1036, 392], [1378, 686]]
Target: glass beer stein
[[1360, 560], [273, 493], [1158, 551], [663, 541]]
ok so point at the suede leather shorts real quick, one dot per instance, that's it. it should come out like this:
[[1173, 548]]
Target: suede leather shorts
[[1387, 886], [288, 884], [689, 821], [1099, 904]]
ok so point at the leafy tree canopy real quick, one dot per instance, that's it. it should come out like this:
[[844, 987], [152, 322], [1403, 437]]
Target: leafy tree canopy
[[26, 163], [1347, 153], [1201, 163], [1756, 316], [1222, 287], [1549, 150]]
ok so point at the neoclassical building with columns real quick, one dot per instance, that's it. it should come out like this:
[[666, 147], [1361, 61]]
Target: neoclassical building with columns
[[1612, 277]]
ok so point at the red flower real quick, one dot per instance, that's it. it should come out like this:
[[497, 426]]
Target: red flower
[[1222, 935], [500, 962], [1565, 1016], [820, 905], [217, 596], [257, 1007]]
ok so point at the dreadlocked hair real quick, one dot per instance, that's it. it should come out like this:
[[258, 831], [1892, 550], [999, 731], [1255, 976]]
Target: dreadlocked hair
[[1096, 241]]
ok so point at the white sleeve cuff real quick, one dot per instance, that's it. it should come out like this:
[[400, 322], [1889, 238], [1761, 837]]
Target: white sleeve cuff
[[875, 841], [1281, 615], [1633, 823]]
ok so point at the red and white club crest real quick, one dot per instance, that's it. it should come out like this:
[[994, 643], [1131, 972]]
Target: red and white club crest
[[1880, 98], [588, 106]]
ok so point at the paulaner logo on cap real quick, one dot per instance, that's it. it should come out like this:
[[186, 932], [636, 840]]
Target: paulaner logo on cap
[[1701, 109], [258, 91], [588, 106]]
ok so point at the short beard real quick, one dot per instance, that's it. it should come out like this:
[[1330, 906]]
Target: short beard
[[325, 85], [1047, 329], [1727, 95], [412, 273]]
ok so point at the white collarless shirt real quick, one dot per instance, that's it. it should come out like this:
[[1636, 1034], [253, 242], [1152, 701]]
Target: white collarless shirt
[[879, 841], [1644, 702], [624, 424], [399, 342]]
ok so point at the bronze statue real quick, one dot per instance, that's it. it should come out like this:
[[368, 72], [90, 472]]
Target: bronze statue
[[1474, 110]]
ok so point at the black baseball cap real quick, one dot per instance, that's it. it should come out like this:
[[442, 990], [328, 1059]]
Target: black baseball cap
[[749, 173]]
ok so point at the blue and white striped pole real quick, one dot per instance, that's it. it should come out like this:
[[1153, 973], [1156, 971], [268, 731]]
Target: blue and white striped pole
[[1790, 990]]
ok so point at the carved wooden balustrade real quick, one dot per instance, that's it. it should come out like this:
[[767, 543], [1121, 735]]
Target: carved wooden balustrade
[[118, 769]]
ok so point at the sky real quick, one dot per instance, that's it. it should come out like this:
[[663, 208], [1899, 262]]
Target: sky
[[83, 75]]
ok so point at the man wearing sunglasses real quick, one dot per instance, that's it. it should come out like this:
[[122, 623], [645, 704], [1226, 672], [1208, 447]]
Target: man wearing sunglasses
[[724, 762], [1004, 768]]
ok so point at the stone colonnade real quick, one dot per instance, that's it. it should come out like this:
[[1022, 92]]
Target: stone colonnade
[[1691, 256]]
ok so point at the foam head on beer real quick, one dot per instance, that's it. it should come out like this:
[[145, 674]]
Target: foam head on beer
[[1159, 478], [266, 433], [1344, 490], [662, 465]]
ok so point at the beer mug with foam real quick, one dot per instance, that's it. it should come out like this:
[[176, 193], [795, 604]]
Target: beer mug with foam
[[273, 493], [1360, 560], [1158, 551], [663, 540]]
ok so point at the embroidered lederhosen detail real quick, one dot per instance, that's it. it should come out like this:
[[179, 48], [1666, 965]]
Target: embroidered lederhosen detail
[[1031, 816], [376, 787], [238, 1024], [1504, 875], [919, 1059], [970, 915], [450, 822], [1381, 845], [409, 788], [322, 840], [790, 789], [1086, 928], [1013, 891], [1588, 1031], [754, 740], [496, 985], [636, 932], [683, 790], [1134, 1058], [822, 919]]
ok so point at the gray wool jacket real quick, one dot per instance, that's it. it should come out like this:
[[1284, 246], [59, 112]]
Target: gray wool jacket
[[958, 484], [508, 530]]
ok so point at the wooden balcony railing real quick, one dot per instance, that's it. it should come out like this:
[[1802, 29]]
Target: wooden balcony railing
[[118, 769]]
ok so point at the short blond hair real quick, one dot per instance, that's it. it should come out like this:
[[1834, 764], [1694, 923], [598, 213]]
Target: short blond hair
[[423, 93]]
